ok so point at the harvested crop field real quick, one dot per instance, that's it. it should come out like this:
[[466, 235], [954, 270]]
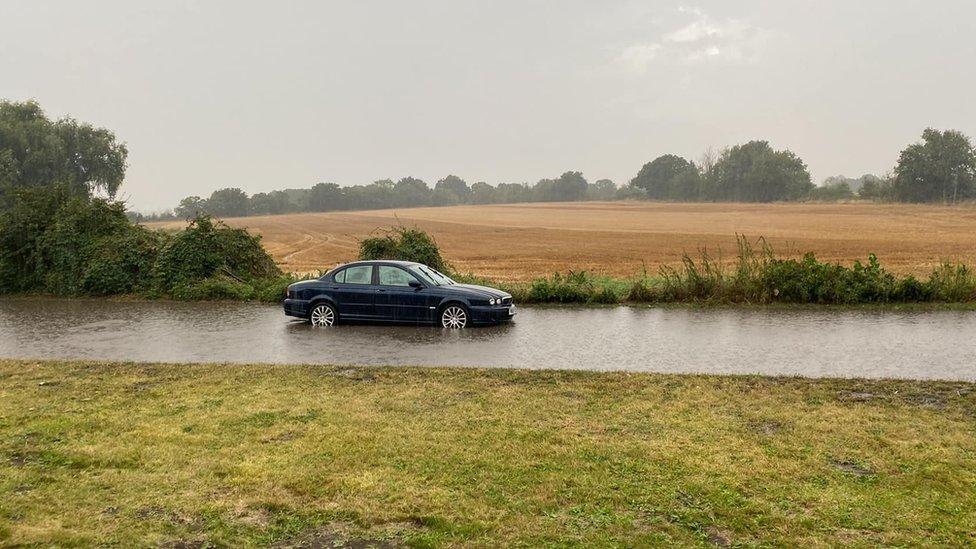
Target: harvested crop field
[[514, 242]]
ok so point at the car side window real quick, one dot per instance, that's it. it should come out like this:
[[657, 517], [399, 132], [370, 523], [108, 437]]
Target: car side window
[[394, 276], [362, 274]]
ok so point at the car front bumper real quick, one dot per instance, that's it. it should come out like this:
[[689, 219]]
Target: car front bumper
[[493, 314]]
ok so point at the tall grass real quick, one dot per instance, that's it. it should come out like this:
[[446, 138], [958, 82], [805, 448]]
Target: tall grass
[[757, 275]]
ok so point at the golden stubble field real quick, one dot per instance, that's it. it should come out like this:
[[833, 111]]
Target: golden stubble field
[[516, 242]]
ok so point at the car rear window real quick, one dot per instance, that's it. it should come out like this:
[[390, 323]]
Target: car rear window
[[362, 274]]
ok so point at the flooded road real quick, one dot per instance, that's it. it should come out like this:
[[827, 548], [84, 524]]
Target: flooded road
[[815, 343]]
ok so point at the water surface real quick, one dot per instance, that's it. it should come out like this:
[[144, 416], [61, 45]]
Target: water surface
[[807, 342]]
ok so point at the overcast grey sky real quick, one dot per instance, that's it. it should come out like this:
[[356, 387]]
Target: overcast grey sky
[[266, 96]]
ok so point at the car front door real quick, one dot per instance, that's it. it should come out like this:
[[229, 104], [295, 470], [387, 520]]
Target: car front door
[[396, 299], [354, 292]]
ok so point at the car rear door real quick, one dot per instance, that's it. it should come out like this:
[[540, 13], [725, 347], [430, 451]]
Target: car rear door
[[354, 292]]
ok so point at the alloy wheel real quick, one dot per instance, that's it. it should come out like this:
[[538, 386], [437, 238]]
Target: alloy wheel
[[322, 315], [454, 317]]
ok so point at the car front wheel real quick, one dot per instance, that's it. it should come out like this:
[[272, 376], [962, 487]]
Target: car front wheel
[[322, 314], [454, 317]]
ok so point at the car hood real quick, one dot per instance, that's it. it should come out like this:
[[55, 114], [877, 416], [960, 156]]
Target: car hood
[[478, 291]]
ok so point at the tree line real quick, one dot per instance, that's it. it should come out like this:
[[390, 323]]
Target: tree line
[[404, 193], [940, 168]]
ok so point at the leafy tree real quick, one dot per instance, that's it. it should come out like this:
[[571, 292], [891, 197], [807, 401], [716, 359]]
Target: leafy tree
[[864, 180], [686, 184], [56, 241], [325, 197], [451, 190], [275, 202], [571, 186], [230, 202], [38, 152], [411, 191], [568, 187], [510, 193], [28, 213], [754, 172], [602, 189], [657, 176], [378, 194], [940, 168], [482, 193], [190, 207], [876, 188]]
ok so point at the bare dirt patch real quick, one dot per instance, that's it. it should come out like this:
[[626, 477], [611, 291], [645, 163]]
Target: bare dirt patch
[[852, 467], [348, 536]]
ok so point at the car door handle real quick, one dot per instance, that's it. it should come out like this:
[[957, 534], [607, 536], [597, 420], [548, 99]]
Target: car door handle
[[335, 287], [380, 290]]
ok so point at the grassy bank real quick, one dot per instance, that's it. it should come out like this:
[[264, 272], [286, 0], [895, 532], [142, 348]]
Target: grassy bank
[[95, 453], [756, 276]]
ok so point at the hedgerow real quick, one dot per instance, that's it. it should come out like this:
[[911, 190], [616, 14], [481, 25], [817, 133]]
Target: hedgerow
[[56, 242]]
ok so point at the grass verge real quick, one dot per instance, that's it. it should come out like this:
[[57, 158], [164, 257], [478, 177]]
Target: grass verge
[[757, 276], [135, 454]]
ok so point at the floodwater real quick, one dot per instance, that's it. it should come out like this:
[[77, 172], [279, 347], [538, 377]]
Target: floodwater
[[805, 342]]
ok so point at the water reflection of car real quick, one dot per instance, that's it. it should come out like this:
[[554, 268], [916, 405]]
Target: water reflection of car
[[395, 291]]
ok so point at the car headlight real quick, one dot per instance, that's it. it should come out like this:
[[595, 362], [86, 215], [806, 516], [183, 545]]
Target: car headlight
[[491, 301]]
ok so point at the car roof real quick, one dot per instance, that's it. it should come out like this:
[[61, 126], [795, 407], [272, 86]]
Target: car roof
[[382, 262]]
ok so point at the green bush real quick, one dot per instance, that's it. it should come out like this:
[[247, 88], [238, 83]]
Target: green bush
[[56, 242], [952, 284], [573, 287], [404, 244], [213, 288], [812, 281], [911, 290], [559, 289], [121, 264], [272, 289], [205, 249], [91, 247], [222, 287]]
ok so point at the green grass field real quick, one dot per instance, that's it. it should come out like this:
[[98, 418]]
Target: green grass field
[[197, 455]]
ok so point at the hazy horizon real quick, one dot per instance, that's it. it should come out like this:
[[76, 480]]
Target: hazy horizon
[[230, 94]]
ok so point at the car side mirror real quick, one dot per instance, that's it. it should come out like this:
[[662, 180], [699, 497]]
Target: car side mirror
[[415, 284]]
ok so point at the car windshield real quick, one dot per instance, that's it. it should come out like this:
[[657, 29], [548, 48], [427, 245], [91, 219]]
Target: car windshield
[[432, 276]]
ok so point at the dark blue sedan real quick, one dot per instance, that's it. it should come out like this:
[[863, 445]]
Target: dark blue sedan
[[395, 291]]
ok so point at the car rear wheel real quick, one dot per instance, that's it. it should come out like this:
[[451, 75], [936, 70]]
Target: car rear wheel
[[322, 314], [454, 316]]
